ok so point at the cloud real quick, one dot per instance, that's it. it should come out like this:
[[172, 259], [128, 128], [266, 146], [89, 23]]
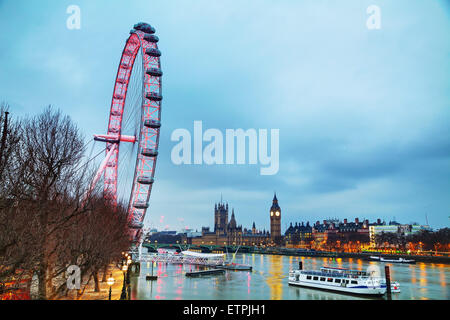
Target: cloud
[[363, 115]]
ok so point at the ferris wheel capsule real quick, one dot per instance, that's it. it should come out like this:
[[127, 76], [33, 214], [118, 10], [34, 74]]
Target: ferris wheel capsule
[[151, 38], [149, 152], [154, 124], [144, 27], [145, 180], [153, 52], [153, 96], [155, 72]]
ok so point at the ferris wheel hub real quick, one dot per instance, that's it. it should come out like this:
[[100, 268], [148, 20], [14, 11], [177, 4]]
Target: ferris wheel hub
[[114, 138]]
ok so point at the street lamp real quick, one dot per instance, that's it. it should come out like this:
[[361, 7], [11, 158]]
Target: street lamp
[[123, 296], [110, 282]]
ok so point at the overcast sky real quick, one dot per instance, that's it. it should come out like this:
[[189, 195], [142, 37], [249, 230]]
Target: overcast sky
[[364, 115]]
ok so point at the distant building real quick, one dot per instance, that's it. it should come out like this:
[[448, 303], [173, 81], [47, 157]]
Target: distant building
[[164, 237], [275, 221], [229, 232], [299, 235], [190, 233], [330, 233], [395, 227]]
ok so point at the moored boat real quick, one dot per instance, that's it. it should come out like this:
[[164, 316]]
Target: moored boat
[[399, 260], [339, 279], [395, 287], [235, 266]]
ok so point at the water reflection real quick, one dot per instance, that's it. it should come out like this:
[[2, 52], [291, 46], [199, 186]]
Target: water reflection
[[276, 274], [268, 280]]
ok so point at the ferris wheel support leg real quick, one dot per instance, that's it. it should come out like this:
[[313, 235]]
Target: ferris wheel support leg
[[100, 170]]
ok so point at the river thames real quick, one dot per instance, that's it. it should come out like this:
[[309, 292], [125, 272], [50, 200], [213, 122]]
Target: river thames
[[269, 280]]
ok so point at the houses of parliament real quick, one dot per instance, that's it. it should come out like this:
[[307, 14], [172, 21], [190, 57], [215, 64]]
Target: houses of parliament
[[228, 232]]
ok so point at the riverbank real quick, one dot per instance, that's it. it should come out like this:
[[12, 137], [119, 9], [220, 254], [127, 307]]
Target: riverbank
[[90, 294], [325, 254], [364, 256]]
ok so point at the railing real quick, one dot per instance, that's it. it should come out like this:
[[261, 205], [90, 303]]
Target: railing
[[179, 259], [335, 275]]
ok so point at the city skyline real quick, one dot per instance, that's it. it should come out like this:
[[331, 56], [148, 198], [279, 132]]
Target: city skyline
[[362, 113], [285, 224]]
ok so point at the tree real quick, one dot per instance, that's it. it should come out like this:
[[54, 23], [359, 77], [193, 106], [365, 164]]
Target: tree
[[46, 222], [17, 247]]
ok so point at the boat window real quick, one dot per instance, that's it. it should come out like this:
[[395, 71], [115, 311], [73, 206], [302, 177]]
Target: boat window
[[308, 277], [354, 282], [315, 278], [322, 279], [330, 280], [337, 280]]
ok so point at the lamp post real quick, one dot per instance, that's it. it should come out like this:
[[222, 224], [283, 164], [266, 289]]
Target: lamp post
[[123, 296], [110, 282], [128, 270]]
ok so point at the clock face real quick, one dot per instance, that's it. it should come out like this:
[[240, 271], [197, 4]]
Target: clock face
[[271, 213], [277, 213]]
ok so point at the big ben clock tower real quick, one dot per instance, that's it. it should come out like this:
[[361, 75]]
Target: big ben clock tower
[[275, 221]]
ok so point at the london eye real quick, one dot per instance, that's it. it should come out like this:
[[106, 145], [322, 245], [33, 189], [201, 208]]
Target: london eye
[[132, 137]]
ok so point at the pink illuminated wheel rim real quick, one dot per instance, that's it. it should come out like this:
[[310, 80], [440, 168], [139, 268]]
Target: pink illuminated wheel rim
[[140, 52]]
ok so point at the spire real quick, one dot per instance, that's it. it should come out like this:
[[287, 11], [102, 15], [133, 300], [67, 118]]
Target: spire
[[232, 223], [275, 205], [253, 225]]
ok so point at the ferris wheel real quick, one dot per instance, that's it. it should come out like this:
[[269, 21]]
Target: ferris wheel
[[132, 138]]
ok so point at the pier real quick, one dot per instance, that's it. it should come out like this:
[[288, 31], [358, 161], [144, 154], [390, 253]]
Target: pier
[[205, 272], [186, 257]]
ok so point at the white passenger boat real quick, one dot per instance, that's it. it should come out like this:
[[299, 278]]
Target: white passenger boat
[[339, 279]]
